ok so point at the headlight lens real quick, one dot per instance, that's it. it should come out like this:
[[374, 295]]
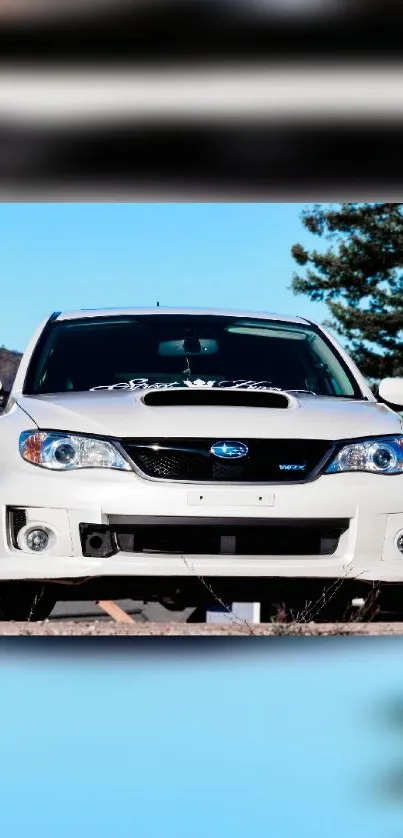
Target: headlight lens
[[382, 455], [63, 452]]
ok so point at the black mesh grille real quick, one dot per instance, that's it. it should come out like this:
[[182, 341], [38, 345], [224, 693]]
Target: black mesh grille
[[18, 519], [278, 461]]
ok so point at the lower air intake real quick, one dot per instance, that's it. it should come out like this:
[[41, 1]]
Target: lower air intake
[[213, 537], [17, 520]]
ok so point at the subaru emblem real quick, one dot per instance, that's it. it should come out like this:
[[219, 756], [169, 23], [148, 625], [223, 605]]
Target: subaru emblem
[[229, 450]]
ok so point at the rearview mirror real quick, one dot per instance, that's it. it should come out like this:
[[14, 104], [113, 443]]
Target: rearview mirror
[[391, 391], [188, 346]]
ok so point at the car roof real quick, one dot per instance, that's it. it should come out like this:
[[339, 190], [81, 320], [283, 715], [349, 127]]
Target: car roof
[[116, 312]]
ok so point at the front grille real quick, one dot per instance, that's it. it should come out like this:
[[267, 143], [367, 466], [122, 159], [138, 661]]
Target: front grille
[[213, 537], [267, 461]]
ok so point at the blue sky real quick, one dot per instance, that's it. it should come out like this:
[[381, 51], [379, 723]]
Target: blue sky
[[63, 256], [286, 737]]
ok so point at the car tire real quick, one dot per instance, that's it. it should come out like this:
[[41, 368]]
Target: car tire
[[25, 602]]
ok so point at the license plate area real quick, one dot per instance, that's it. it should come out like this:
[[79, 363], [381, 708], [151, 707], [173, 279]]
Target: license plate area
[[231, 497]]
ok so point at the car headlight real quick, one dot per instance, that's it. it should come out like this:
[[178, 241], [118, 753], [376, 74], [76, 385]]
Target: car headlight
[[381, 455], [64, 452]]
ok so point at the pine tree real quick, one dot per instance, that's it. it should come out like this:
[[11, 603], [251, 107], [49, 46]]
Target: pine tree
[[360, 278]]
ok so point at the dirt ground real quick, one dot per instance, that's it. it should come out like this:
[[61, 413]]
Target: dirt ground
[[114, 629]]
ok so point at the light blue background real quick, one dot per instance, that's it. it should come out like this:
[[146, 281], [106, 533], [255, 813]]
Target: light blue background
[[279, 738], [62, 256]]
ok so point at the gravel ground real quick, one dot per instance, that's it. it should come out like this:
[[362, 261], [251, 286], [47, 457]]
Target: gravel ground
[[68, 628]]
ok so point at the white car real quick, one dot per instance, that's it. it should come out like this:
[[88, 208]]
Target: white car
[[179, 455]]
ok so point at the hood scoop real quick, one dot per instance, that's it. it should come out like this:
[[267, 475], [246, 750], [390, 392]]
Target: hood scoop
[[214, 397]]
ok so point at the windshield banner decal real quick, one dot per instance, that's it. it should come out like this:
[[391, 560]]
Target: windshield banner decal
[[198, 383]]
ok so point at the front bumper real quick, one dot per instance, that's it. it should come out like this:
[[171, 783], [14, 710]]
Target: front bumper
[[371, 505]]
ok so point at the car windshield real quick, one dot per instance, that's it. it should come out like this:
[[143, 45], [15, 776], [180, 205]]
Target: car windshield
[[136, 352]]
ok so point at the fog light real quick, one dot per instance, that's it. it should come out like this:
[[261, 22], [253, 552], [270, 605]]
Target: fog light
[[399, 542], [37, 540]]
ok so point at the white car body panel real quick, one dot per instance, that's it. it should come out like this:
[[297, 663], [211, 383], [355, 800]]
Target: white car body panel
[[373, 504], [119, 413]]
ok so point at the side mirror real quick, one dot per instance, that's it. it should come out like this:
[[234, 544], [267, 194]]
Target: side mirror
[[390, 391], [4, 394]]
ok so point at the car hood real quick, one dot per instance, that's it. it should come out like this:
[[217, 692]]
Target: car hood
[[125, 414]]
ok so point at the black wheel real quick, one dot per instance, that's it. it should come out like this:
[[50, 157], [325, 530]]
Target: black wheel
[[174, 602], [25, 602]]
